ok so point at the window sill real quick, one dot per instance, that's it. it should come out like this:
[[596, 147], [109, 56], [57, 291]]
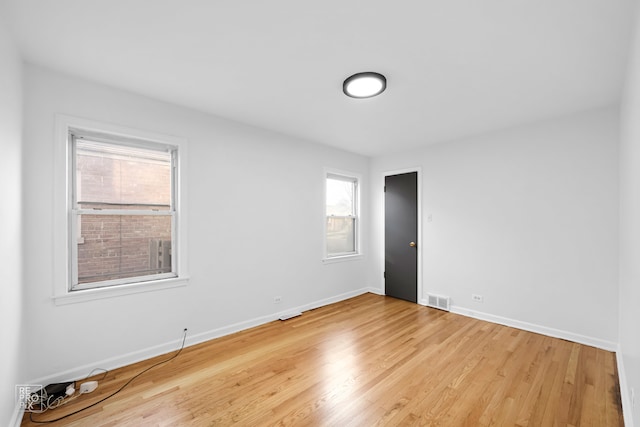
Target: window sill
[[73, 297], [343, 258]]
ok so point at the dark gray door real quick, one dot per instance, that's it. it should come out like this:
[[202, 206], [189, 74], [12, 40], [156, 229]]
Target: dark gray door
[[401, 236]]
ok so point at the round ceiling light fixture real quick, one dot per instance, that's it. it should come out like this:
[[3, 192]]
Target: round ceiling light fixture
[[364, 85]]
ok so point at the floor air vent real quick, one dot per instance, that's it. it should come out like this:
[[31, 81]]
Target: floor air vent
[[438, 301]]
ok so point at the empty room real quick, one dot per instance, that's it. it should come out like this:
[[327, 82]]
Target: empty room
[[320, 213]]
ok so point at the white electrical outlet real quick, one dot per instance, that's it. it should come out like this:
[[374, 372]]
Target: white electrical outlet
[[477, 298], [277, 300]]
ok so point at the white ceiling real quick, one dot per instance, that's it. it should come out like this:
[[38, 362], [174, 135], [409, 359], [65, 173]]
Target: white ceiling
[[454, 67]]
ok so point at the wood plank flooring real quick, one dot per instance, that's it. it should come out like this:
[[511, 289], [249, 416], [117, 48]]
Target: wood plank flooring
[[366, 361]]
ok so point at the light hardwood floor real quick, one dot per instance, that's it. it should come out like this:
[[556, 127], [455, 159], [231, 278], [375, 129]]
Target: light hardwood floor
[[366, 361]]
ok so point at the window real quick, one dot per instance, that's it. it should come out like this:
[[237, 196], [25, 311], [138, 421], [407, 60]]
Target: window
[[341, 227], [124, 210]]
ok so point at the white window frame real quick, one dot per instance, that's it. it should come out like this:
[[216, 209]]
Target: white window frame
[[65, 239], [357, 179]]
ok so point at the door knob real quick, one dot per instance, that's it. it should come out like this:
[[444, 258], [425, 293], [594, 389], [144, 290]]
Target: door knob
[[412, 244]]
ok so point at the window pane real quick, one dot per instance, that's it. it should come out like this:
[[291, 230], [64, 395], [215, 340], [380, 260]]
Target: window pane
[[340, 197], [340, 235], [120, 246], [113, 176]]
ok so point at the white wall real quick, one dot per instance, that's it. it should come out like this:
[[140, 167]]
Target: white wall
[[255, 231], [630, 235], [10, 222], [526, 217]]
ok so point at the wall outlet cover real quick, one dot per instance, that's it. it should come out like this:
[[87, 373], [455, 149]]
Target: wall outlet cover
[[88, 387]]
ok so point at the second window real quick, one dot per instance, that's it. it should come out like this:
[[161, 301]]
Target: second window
[[341, 215]]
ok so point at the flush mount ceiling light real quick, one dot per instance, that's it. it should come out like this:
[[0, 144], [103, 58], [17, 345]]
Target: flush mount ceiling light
[[364, 85]]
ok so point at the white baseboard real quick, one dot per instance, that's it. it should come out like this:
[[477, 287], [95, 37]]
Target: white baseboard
[[241, 326], [627, 409], [81, 372], [16, 419], [376, 291], [531, 327], [147, 353]]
